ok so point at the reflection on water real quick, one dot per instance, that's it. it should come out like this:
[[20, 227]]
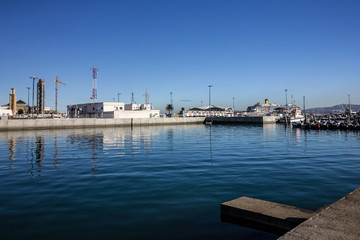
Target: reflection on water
[[43, 147]]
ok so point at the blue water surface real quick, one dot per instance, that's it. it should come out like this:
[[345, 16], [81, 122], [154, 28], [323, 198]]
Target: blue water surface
[[164, 182]]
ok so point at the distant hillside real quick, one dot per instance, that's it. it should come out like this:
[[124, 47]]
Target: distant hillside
[[334, 109]]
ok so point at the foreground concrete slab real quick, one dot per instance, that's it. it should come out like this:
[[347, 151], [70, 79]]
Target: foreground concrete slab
[[340, 220], [264, 215]]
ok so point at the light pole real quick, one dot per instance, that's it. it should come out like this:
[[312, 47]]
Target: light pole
[[210, 86], [233, 104], [28, 88], [119, 97], [32, 108], [171, 101], [286, 104]]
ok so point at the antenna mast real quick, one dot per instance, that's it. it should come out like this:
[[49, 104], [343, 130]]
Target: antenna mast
[[146, 97], [94, 88]]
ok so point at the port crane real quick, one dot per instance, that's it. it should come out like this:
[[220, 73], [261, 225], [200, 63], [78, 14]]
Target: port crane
[[56, 91]]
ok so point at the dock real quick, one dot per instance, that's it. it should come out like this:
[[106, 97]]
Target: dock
[[340, 220]]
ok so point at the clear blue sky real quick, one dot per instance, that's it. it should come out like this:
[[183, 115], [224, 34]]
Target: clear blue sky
[[248, 50]]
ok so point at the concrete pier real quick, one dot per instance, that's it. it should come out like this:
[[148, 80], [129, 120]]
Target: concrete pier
[[263, 215], [340, 220], [33, 124]]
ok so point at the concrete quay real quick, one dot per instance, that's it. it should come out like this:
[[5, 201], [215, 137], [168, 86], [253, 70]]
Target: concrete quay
[[244, 120], [34, 124], [340, 220], [264, 215]]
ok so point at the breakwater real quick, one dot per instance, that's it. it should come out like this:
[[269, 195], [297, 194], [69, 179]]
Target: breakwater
[[33, 124]]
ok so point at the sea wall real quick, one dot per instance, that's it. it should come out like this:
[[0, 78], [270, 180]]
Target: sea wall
[[247, 119], [31, 124]]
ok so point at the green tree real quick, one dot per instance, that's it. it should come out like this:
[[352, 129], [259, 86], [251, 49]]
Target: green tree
[[169, 108]]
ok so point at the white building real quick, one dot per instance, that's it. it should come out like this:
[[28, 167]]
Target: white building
[[111, 110], [5, 111], [205, 111]]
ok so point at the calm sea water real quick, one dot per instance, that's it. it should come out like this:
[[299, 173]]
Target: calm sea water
[[164, 182]]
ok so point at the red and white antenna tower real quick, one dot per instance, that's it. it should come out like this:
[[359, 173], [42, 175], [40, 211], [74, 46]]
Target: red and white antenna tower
[[94, 88]]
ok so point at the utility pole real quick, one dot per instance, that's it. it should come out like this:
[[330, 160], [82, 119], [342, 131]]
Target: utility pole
[[28, 88], [210, 86], [32, 108], [56, 91]]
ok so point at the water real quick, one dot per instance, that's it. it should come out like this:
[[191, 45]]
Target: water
[[164, 182]]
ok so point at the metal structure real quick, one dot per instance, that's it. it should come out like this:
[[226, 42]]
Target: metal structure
[[33, 94], [56, 91], [94, 88], [146, 97], [40, 106]]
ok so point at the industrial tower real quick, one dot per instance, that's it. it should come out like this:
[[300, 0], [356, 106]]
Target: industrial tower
[[56, 91], [94, 89], [40, 96]]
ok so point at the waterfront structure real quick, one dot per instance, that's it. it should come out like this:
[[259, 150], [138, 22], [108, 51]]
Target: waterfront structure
[[111, 110], [5, 111], [209, 111], [12, 101], [40, 107]]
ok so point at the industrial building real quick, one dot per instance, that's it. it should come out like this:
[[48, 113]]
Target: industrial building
[[209, 111], [111, 110]]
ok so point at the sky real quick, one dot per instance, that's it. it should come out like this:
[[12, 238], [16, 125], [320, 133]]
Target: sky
[[249, 50]]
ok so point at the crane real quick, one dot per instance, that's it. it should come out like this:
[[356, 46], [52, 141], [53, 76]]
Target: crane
[[56, 91]]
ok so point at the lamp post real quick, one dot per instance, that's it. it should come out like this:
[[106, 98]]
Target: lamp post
[[28, 88], [233, 104], [119, 97], [32, 108], [171, 101], [210, 86], [286, 104]]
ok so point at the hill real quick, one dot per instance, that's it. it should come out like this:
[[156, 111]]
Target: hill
[[334, 109]]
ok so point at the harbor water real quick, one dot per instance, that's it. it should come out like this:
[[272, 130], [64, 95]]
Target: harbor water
[[164, 182]]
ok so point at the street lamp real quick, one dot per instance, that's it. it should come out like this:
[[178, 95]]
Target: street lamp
[[171, 101], [28, 88], [233, 104], [119, 97], [210, 86], [32, 109]]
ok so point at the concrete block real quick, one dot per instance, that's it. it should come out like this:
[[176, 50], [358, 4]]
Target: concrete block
[[263, 215]]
